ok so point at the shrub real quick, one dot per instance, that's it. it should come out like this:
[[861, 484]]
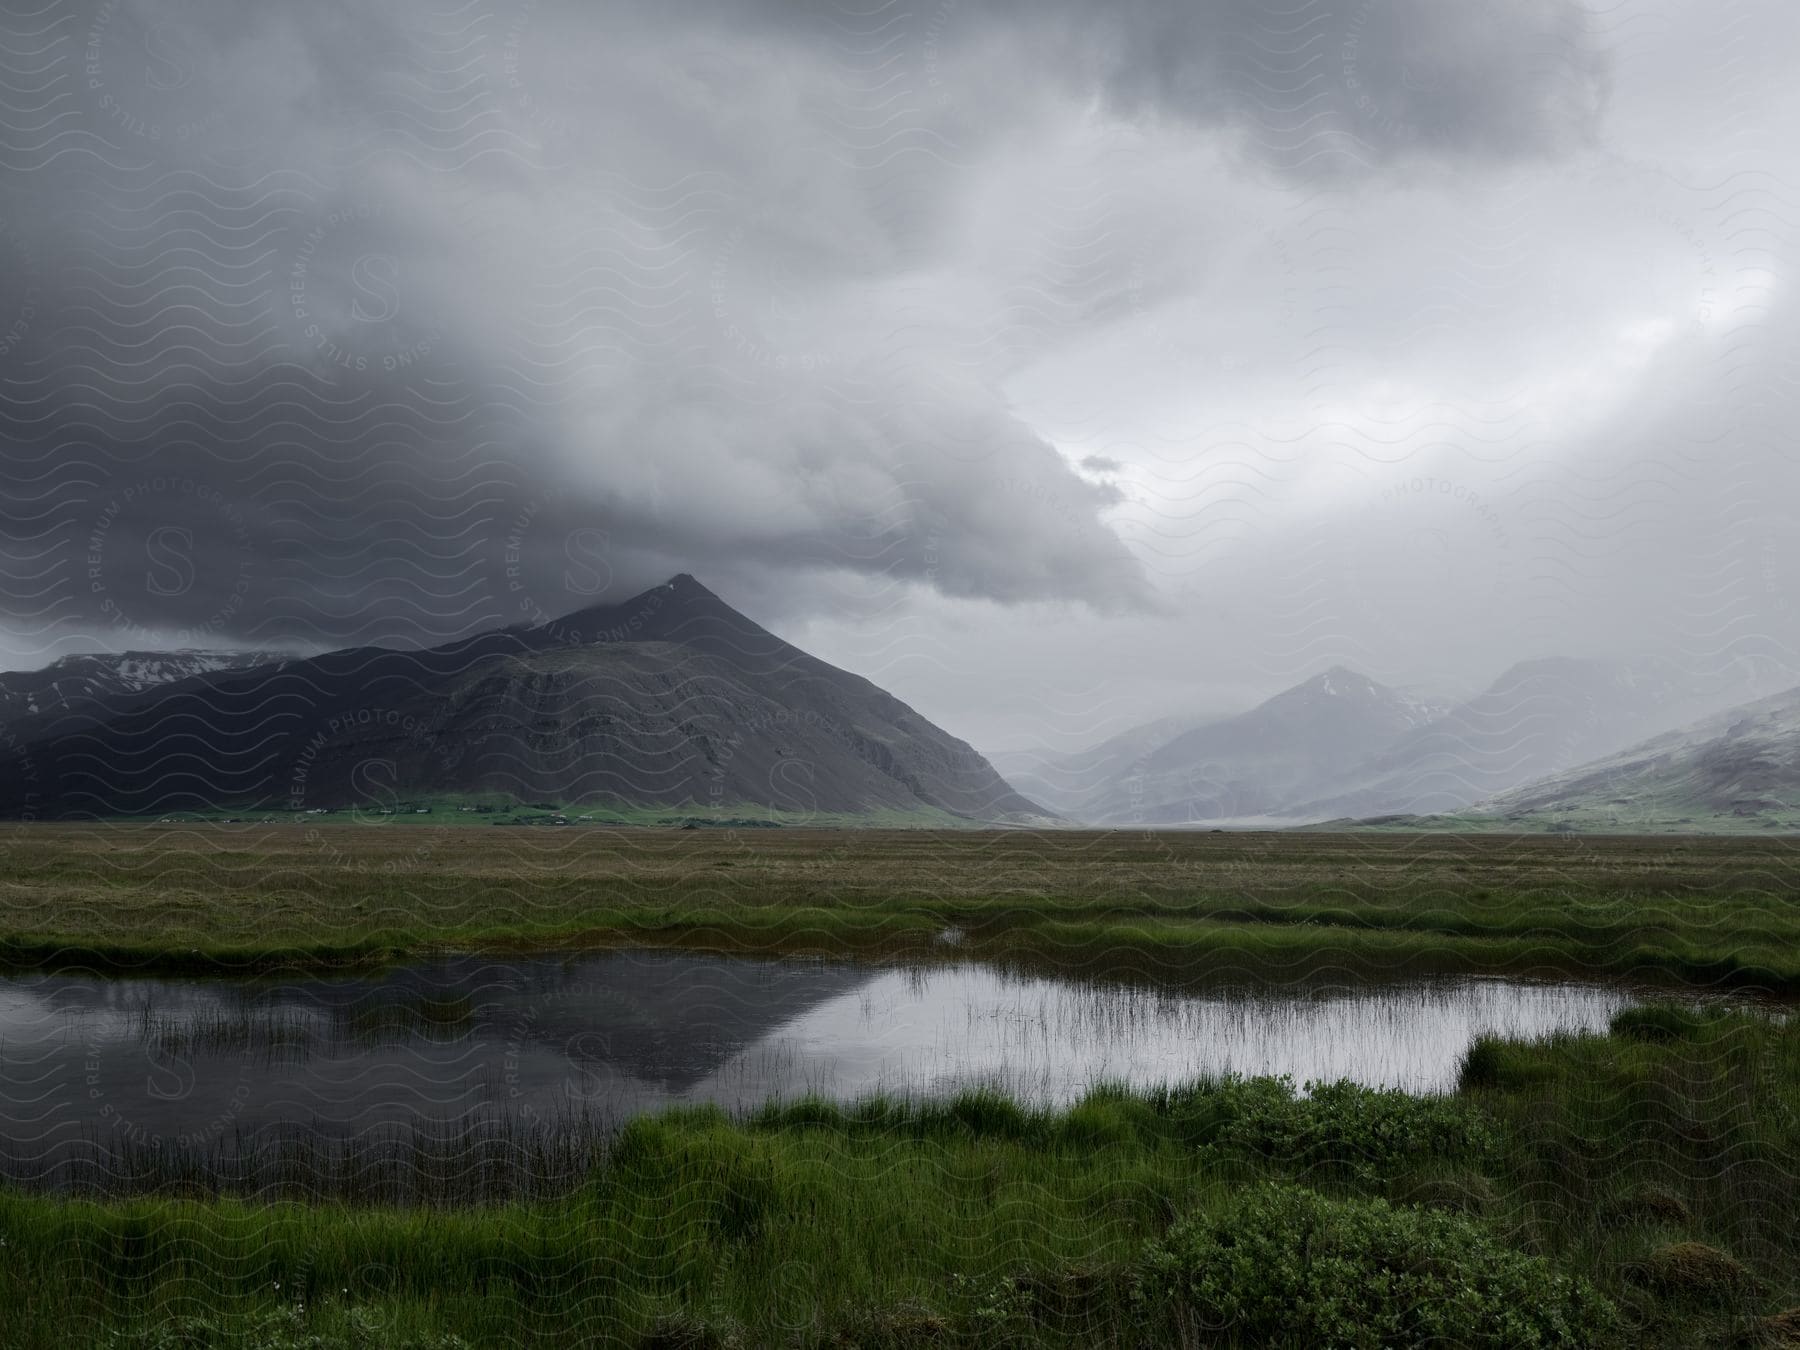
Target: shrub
[[1368, 1133], [1285, 1266]]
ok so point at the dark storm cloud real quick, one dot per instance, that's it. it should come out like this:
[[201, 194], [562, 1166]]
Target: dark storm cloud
[[383, 324]]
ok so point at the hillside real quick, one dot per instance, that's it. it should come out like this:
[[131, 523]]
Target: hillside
[[1737, 770], [671, 699]]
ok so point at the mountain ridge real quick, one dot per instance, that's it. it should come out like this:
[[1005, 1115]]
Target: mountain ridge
[[670, 698]]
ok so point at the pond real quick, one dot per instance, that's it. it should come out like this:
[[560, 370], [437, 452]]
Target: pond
[[156, 1063]]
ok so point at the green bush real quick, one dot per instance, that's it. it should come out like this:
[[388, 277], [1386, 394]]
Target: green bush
[[1284, 1266], [1368, 1133], [1463, 1192]]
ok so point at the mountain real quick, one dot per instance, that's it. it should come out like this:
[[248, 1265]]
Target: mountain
[[72, 682], [1538, 718], [1735, 770], [1071, 782], [671, 699], [1259, 763]]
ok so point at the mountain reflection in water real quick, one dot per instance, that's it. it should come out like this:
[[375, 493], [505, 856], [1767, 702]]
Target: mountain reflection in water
[[605, 1036]]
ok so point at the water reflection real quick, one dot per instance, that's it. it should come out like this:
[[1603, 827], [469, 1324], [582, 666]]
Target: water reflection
[[189, 1062]]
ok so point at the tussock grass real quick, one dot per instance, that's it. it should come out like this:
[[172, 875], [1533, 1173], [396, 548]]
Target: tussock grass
[[1607, 1190]]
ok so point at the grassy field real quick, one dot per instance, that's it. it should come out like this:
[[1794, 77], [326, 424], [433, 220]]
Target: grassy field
[[1168, 906], [1633, 1189]]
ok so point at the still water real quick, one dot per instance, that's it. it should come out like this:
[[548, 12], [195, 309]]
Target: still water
[[189, 1061]]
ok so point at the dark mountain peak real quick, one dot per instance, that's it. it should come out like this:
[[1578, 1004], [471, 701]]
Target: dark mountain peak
[[679, 610]]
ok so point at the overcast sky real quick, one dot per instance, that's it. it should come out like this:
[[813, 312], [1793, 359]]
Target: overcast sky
[[1056, 365]]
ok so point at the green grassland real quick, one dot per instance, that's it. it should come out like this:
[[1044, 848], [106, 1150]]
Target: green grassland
[[1168, 905], [1632, 1189], [1636, 1189]]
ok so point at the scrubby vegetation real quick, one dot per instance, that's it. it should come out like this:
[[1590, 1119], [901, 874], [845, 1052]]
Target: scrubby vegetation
[[1284, 1265]]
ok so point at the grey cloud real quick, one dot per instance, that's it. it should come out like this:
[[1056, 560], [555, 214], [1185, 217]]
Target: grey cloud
[[352, 324], [353, 327]]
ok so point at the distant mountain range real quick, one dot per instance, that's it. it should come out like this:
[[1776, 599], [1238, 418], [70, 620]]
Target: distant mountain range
[[1538, 718], [671, 701], [673, 705], [1340, 746]]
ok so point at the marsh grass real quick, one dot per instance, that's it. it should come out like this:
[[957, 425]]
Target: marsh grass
[[276, 1035], [292, 1035], [1560, 1166], [247, 898]]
